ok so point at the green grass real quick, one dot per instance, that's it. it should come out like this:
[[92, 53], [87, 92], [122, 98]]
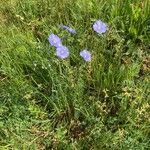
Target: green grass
[[48, 103]]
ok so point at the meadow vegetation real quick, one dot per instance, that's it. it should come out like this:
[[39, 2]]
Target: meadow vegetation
[[48, 103]]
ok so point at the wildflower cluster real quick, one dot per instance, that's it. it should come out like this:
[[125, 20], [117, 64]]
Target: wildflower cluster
[[63, 52]]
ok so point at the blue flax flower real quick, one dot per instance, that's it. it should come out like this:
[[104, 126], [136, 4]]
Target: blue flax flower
[[54, 40], [86, 55], [62, 52], [71, 30], [100, 27]]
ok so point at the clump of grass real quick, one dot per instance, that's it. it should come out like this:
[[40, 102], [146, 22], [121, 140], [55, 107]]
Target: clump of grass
[[47, 103]]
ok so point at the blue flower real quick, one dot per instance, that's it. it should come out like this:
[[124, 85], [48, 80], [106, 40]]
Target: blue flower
[[62, 52], [54, 40], [86, 55], [100, 27], [71, 30]]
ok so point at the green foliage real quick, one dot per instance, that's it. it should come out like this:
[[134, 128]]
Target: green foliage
[[47, 103]]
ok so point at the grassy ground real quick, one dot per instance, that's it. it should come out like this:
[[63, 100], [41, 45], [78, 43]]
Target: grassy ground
[[48, 103]]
